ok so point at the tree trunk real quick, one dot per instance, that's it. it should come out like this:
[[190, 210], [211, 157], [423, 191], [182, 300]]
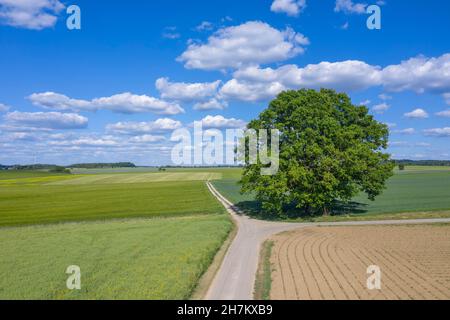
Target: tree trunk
[[326, 212], [307, 210]]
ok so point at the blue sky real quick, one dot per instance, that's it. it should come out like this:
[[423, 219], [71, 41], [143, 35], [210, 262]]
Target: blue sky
[[137, 70]]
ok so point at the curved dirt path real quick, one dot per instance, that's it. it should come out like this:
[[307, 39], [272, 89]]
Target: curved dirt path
[[236, 276]]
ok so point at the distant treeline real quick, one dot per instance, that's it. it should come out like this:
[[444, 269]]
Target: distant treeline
[[423, 162], [30, 167], [55, 168], [103, 165]]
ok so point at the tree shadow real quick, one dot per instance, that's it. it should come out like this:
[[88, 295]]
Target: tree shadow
[[340, 208], [254, 209]]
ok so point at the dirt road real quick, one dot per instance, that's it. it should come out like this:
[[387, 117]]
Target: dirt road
[[236, 276]]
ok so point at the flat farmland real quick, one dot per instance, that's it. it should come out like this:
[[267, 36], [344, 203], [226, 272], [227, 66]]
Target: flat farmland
[[30, 197], [329, 263], [43, 203], [126, 259], [18, 174], [412, 190], [137, 235], [138, 178], [417, 192]]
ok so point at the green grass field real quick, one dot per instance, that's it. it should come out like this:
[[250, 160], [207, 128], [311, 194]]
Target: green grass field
[[41, 203], [135, 259], [139, 178], [421, 191], [113, 170], [135, 235], [19, 174], [411, 191]]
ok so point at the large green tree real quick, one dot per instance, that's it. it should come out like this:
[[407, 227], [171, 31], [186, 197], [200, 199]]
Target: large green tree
[[330, 150]]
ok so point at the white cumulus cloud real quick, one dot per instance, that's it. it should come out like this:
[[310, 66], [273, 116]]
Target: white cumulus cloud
[[344, 75], [86, 142], [30, 14], [290, 7], [131, 103], [348, 6], [57, 101], [250, 91], [139, 128], [445, 113], [126, 103], [381, 108], [46, 120], [186, 91], [254, 83], [253, 42], [212, 104], [205, 26], [220, 122], [417, 114], [406, 131], [438, 132], [147, 138], [420, 74]]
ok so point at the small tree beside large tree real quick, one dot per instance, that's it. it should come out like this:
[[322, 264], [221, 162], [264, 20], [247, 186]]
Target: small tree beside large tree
[[330, 150]]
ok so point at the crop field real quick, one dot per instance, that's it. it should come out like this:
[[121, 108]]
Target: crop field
[[19, 174], [56, 198], [417, 192], [31, 204], [330, 263], [134, 235], [139, 178], [113, 170], [127, 259]]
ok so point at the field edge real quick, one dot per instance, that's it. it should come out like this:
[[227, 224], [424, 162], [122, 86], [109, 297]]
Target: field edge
[[263, 280], [205, 281]]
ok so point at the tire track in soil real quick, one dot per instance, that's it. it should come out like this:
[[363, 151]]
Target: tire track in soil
[[330, 263]]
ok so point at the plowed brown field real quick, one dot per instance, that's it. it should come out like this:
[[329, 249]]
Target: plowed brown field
[[331, 262]]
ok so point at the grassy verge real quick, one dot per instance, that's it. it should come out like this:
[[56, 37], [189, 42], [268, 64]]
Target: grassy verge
[[205, 281], [373, 217], [263, 280], [134, 259]]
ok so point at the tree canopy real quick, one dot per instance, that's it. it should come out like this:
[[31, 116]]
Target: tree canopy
[[330, 150]]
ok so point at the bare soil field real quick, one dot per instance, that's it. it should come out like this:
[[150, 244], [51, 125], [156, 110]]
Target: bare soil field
[[327, 263]]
